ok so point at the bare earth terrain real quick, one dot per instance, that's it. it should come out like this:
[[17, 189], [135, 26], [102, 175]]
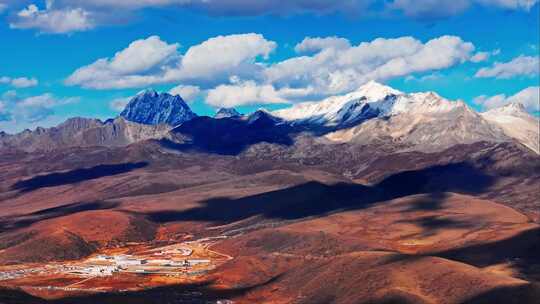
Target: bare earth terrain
[[273, 224]]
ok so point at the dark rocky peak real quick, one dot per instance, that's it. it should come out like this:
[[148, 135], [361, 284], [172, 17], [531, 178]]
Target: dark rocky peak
[[152, 108], [227, 112]]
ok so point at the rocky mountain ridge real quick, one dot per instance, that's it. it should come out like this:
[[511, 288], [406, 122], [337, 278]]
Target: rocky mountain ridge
[[151, 108], [374, 115]]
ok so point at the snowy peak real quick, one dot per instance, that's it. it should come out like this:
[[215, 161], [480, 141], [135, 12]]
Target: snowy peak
[[227, 112], [369, 101], [152, 108], [342, 110], [511, 109], [422, 103], [262, 117], [516, 123], [374, 91]]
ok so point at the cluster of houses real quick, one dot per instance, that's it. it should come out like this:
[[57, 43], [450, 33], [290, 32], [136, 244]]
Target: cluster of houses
[[105, 265]]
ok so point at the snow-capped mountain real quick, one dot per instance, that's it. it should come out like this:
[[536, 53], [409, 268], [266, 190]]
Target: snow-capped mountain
[[369, 101], [336, 111], [516, 123], [262, 116], [374, 115], [378, 114], [429, 128], [227, 112], [151, 108]]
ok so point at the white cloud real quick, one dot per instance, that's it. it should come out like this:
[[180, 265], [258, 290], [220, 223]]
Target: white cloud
[[4, 114], [118, 104], [316, 44], [529, 98], [65, 20], [230, 7], [187, 92], [332, 71], [214, 60], [21, 82], [428, 77], [519, 66], [24, 82], [524, 5], [142, 55], [435, 9], [142, 63], [67, 16], [243, 93], [483, 56], [238, 66], [430, 9], [222, 54], [34, 108], [480, 56]]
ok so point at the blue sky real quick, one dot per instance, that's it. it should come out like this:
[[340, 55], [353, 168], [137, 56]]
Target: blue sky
[[58, 60]]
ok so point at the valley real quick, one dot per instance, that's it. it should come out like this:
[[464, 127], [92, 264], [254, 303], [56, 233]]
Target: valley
[[414, 199]]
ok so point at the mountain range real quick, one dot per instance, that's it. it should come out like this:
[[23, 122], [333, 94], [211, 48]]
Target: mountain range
[[374, 115], [376, 196]]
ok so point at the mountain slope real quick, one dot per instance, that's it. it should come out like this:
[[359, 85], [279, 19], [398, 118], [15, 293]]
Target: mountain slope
[[377, 114], [231, 135], [151, 108], [422, 122], [338, 111], [516, 123], [83, 132]]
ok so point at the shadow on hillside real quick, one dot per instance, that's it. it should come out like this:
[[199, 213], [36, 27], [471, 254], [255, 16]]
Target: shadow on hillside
[[317, 199], [75, 176], [520, 294], [201, 293], [228, 136], [522, 251], [11, 223]]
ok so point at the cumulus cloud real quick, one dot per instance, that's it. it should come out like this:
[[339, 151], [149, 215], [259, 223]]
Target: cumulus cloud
[[519, 66], [483, 56], [430, 9], [215, 59], [333, 71], [118, 104], [143, 62], [243, 93], [4, 114], [37, 108], [249, 93], [316, 44], [187, 92], [480, 56], [66, 16], [529, 98], [229, 7], [428, 77], [56, 21], [31, 109], [20, 82], [224, 53], [436, 9], [237, 66], [525, 5]]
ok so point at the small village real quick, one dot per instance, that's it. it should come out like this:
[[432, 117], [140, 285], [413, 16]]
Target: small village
[[183, 261]]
